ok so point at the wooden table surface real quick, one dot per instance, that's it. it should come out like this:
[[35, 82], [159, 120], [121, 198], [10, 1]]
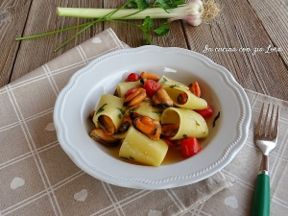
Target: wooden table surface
[[242, 24]]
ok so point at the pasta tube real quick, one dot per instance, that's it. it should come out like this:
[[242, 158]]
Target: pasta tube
[[111, 107], [138, 147], [190, 123], [123, 87], [192, 102], [146, 109], [167, 82]]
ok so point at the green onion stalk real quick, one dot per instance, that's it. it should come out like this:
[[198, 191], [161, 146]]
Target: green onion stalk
[[194, 13], [191, 12]]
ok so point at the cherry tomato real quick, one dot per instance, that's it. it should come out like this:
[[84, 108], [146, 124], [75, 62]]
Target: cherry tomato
[[206, 113], [189, 147], [151, 87], [132, 77]]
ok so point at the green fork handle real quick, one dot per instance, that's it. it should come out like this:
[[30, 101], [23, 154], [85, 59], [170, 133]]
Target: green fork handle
[[261, 200]]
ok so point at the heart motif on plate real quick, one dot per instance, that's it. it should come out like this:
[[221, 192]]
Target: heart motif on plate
[[17, 182], [81, 195]]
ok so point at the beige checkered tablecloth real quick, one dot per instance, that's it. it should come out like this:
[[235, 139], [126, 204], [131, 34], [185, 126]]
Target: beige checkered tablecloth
[[37, 178]]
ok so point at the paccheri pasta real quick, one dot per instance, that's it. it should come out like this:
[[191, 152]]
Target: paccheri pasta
[[148, 115], [123, 87], [109, 109]]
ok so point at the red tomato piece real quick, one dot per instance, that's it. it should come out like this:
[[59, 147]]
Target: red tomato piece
[[189, 147], [206, 113], [151, 87], [132, 77]]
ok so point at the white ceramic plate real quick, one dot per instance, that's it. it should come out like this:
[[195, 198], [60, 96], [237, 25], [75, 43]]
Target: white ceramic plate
[[79, 97]]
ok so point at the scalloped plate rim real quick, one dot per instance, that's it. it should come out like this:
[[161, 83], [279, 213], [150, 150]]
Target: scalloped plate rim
[[230, 152]]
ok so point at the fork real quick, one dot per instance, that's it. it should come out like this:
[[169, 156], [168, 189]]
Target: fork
[[265, 137]]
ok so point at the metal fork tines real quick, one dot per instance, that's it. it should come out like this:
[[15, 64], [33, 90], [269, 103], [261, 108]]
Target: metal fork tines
[[266, 131]]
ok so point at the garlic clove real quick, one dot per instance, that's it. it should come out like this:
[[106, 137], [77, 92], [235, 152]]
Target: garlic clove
[[193, 20]]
